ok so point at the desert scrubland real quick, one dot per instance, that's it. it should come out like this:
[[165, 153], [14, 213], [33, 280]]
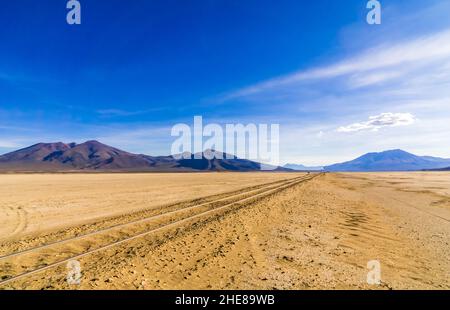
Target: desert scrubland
[[225, 230]]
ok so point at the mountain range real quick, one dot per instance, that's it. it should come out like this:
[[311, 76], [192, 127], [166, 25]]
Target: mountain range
[[96, 156]]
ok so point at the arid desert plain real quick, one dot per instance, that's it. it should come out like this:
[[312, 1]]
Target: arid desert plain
[[225, 230]]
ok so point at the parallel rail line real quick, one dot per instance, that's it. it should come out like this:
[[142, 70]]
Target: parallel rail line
[[264, 192], [144, 219]]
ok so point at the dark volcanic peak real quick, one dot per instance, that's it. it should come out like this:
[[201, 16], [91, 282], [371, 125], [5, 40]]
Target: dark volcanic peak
[[210, 160]]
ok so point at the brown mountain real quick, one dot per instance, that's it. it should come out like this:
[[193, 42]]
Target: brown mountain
[[96, 156], [37, 152], [33, 158]]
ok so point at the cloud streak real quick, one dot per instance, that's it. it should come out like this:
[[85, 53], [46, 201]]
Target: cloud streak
[[124, 113], [379, 121], [373, 66]]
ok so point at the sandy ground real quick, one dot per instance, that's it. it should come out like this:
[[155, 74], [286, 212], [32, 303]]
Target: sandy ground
[[318, 234], [31, 204]]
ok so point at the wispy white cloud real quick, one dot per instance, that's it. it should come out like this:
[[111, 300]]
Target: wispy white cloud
[[380, 121], [372, 78], [116, 112], [8, 144], [375, 65], [122, 113]]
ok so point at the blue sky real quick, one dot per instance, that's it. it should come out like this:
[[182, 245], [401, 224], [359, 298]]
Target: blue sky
[[337, 86]]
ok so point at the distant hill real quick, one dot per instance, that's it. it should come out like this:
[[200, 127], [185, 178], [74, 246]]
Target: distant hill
[[440, 169], [394, 160], [298, 167], [96, 156]]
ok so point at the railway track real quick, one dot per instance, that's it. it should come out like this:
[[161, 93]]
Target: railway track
[[142, 216], [25, 244], [53, 254]]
